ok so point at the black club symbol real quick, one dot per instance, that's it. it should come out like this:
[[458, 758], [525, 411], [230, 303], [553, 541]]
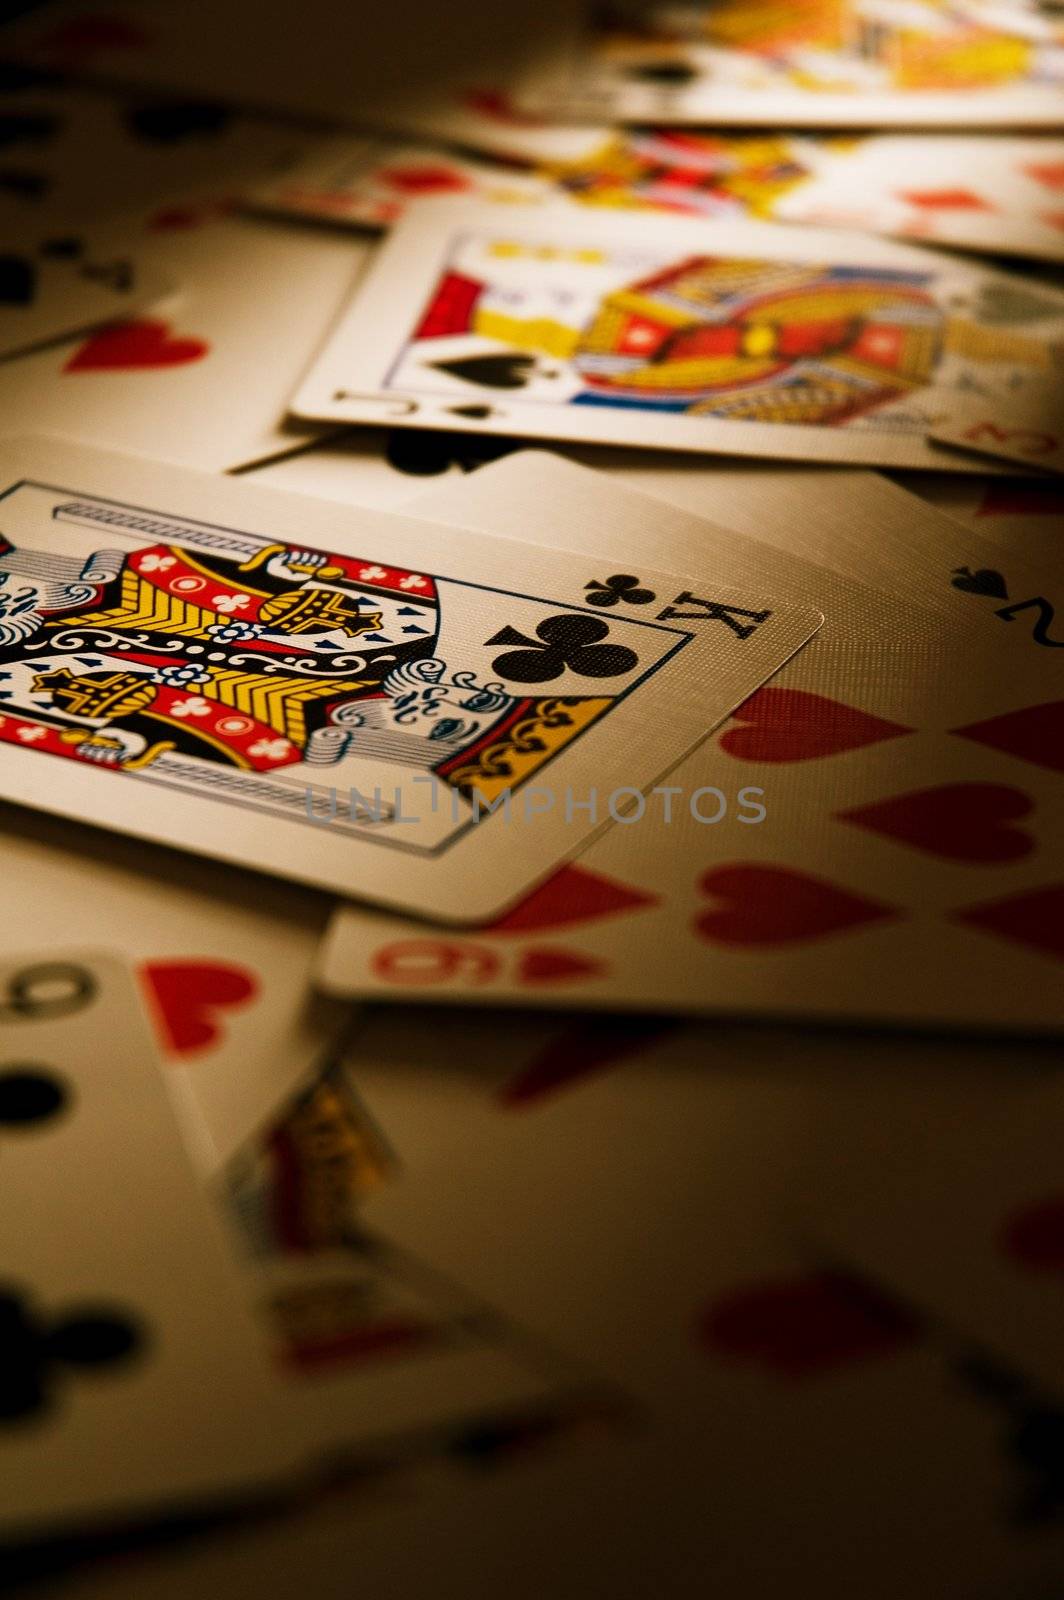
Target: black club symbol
[[34, 1349], [621, 586], [29, 1095], [567, 642]]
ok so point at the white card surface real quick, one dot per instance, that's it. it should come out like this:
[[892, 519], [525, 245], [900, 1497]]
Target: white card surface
[[57, 284], [222, 958], [205, 378], [711, 335], [272, 679], [134, 1375]]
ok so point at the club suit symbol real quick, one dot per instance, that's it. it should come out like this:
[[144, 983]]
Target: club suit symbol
[[37, 1351], [564, 643], [621, 586]]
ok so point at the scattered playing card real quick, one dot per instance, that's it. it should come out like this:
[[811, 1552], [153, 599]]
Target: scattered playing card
[[198, 653], [133, 1373], [373, 182], [704, 335], [205, 379], [68, 282], [899, 63], [1027, 428], [950, 1192], [857, 842], [1026, 518], [223, 959], [995, 194]]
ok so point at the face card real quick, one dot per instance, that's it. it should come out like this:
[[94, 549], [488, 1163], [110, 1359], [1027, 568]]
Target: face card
[[371, 1340], [67, 282], [850, 65], [951, 1194], [858, 841], [199, 381], [223, 960], [133, 1373], [191, 653], [996, 194], [710, 336]]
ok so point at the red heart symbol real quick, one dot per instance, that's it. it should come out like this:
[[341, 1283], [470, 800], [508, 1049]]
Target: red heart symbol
[[795, 725], [555, 966], [424, 179], [944, 200], [803, 1327], [584, 1048], [1034, 1236], [573, 894], [1034, 734], [135, 344], [776, 905], [957, 821], [1008, 496], [1034, 919], [187, 994]]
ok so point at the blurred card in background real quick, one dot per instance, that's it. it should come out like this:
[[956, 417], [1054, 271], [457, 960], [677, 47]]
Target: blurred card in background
[[205, 378], [703, 335], [896, 63]]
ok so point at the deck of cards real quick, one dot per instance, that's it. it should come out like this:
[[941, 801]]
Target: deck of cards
[[532, 799]]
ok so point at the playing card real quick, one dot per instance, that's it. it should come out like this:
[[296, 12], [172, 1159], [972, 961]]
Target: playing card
[[860, 841], [448, 76], [951, 1193], [66, 282], [376, 713], [374, 1344], [750, 1365], [203, 380], [1027, 429], [861, 526], [70, 156], [996, 194], [900, 63], [223, 960], [372, 182], [1026, 518], [134, 1375], [707, 335]]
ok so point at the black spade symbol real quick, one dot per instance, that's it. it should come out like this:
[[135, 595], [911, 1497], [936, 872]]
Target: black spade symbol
[[673, 74], [18, 281], [507, 369], [983, 581], [477, 413]]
